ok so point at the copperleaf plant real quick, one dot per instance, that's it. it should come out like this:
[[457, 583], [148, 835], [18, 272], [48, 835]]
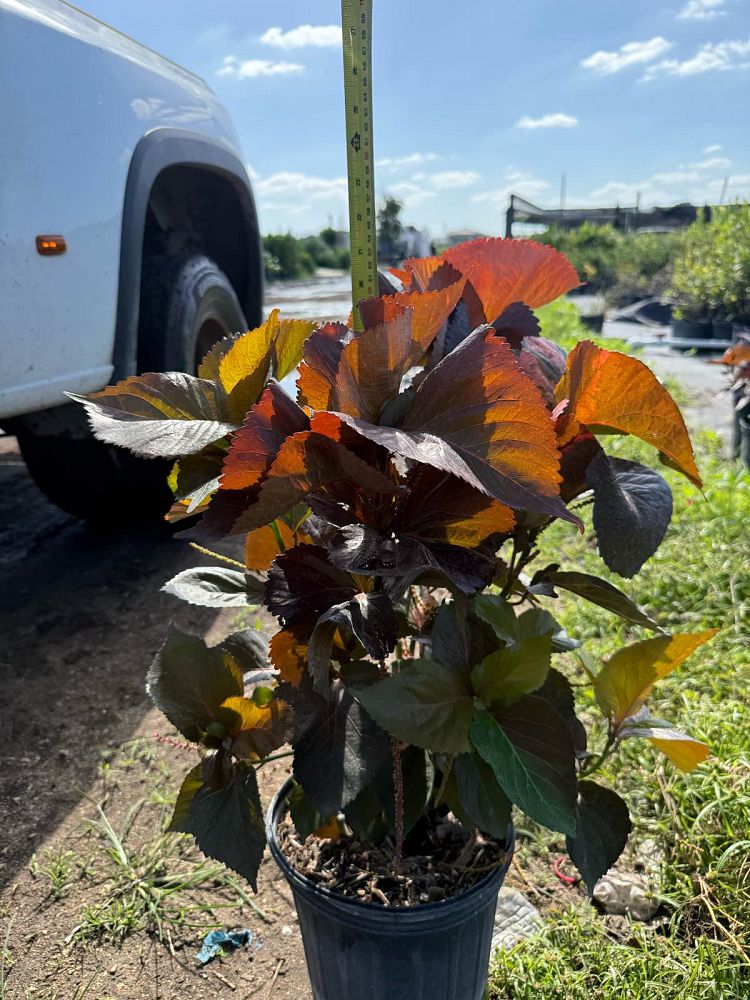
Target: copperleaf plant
[[389, 515]]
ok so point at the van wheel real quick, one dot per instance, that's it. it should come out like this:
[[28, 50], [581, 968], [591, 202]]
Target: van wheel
[[187, 304]]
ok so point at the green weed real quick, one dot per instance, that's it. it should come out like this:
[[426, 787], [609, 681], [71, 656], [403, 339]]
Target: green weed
[[699, 578]]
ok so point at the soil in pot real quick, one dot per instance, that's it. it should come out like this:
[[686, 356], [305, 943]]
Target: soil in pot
[[448, 863], [365, 947]]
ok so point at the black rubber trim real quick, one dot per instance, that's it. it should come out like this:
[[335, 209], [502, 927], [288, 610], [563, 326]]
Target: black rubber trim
[[157, 150]]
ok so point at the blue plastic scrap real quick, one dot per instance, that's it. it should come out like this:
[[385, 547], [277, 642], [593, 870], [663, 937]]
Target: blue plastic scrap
[[220, 942]]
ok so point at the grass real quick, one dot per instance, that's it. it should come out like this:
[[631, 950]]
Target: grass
[[699, 578]]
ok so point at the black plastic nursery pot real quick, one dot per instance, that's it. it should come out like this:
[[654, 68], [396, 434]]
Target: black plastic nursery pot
[[691, 329], [358, 951]]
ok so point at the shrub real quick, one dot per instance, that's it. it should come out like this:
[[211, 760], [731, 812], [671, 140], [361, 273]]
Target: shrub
[[712, 274], [390, 515]]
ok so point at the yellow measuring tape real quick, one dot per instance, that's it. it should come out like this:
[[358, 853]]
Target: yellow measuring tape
[[356, 24]]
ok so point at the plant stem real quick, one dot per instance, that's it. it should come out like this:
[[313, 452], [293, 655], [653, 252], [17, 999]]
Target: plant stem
[[398, 792], [274, 756]]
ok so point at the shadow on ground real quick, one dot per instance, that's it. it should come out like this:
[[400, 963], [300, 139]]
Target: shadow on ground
[[80, 618]]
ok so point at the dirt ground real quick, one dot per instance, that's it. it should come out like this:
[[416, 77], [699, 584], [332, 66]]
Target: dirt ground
[[81, 616]]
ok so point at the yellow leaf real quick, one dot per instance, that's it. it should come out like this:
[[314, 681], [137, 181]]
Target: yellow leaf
[[287, 345], [684, 752], [256, 731], [627, 678]]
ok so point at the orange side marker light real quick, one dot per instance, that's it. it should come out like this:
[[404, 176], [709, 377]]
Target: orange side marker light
[[51, 246]]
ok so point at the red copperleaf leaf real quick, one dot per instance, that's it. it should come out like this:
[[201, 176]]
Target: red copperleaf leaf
[[268, 424], [305, 463], [443, 508], [477, 416], [609, 391], [421, 271], [544, 362], [303, 584], [505, 270], [372, 366], [517, 323], [320, 362]]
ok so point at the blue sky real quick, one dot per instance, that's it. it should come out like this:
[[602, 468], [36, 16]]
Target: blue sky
[[474, 100]]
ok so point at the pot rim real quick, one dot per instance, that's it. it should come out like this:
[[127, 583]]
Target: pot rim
[[274, 814]]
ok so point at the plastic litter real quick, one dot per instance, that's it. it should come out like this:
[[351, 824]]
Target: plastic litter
[[220, 942]]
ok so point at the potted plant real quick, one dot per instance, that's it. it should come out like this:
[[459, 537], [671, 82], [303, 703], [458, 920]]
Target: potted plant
[[737, 360], [392, 514]]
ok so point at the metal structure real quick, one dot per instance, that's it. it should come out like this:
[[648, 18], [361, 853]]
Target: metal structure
[[626, 218]]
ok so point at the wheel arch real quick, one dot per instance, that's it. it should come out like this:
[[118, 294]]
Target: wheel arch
[[167, 167]]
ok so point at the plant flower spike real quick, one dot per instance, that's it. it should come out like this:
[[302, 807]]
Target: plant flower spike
[[391, 513]]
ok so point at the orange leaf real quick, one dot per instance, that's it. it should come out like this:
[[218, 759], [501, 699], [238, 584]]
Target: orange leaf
[[262, 545], [372, 366], [320, 362], [255, 445], [421, 270], [504, 271], [739, 354], [609, 391], [306, 461], [289, 655], [443, 508]]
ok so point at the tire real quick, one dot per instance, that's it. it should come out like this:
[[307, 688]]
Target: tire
[[187, 304]]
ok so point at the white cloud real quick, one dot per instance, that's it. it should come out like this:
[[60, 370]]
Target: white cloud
[[702, 10], [305, 36], [714, 148], [248, 69], [452, 179], [558, 120], [711, 56], [629, 54], [525, 185], [712, 163], [698, 183], [287, 184], [410, 160]]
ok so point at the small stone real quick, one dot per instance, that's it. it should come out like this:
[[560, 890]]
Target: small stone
[[286, 930], [627, 894], [515, 919], [113, 970], [295, 918]]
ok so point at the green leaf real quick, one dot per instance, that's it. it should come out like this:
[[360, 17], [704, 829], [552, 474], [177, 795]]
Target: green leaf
[[450, 636], [425, 703], [216, 587], [602, 593], [338, 747], [557, 691], [366, 818], [503, 676], [305, 816], [529, 749], [481, 797], [226, 821], [498, 614], [602, 829], [159, 415], [189, 681]]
